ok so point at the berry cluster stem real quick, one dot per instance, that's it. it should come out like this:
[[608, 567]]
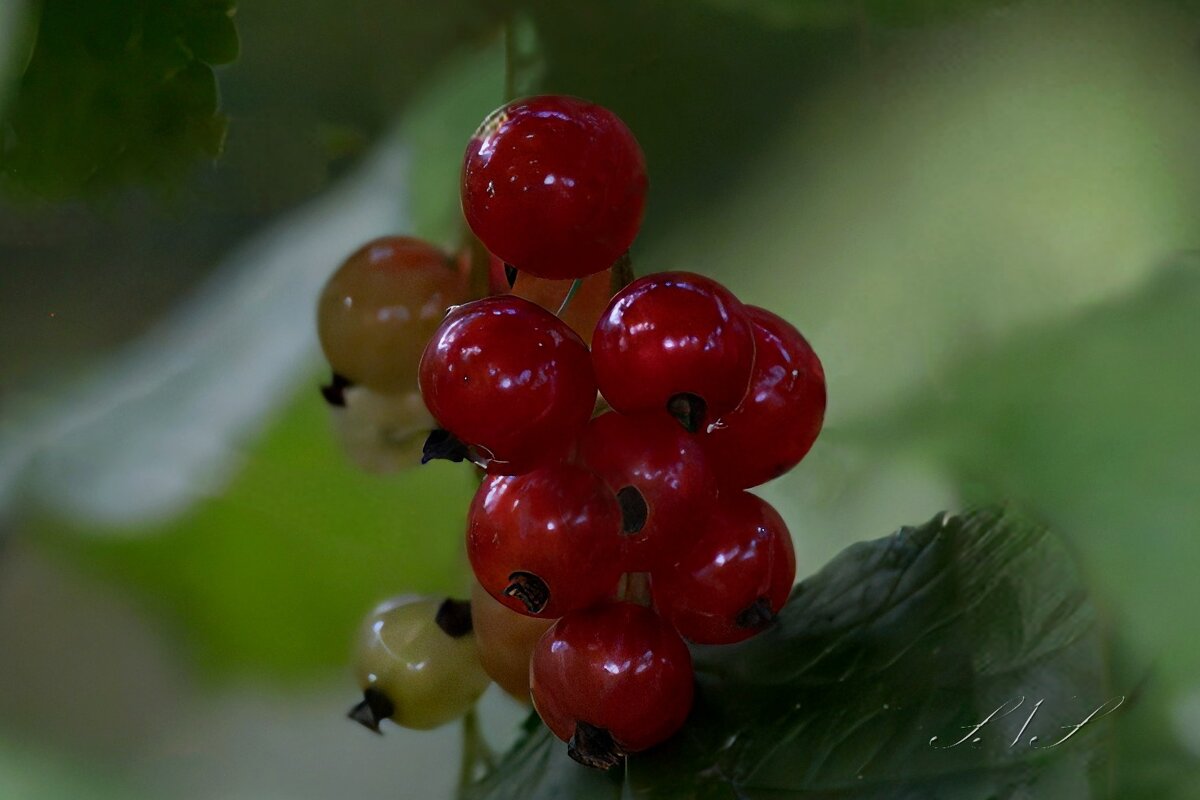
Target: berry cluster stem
[[636, 588], [575, 284], [477, 757]]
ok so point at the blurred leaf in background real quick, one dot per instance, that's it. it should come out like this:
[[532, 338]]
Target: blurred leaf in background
[[115, 93], [1091, 424], [26, 772], [273, 575]]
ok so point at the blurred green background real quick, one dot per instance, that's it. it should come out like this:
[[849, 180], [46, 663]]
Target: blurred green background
[[983, 215]]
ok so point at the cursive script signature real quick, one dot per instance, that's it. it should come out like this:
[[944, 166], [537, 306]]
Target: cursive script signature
[[1005, 709]]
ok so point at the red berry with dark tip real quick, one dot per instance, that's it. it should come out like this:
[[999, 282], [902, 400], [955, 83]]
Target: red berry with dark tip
[[661, 476], [611, 680], [677, 342], [547, 542], [778, 421], [734, 579], [554, 186], [509, 379]]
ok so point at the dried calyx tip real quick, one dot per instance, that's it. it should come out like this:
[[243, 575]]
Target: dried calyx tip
[[529, 589], [594, 747], [633, 509], [454, 617], [334, 392], [443, 444], [757, 615], [374, 709], [689, 410]]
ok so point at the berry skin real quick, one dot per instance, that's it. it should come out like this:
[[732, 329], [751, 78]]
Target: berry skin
[[381, 432], [500, 276], [547, 542], [586, 306], [506, 640], [554, 186], [778, 421], [381, 306], [734, 579], [675, 341], [611, 680], [661, 477], [416, 663], [509, 379]]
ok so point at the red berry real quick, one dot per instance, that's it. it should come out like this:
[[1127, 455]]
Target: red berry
[[732, 581], [547, 542], [554, 186], [509, 379], [611, 680], [675, 341], [778, 421], [661, 477], [381, 306]]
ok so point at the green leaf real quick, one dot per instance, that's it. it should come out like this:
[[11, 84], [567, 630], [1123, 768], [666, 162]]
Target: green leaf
[[897, 641], [117, 93], [1091, 424], [437, 125], [36, 772], [272, 575]]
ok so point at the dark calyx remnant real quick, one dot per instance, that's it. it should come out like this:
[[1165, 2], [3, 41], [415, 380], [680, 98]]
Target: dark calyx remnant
[[510, 275], [334, 392], [443, 444], [530, 590], [454, 617], [633, 509], [757, 615], [594, 747], [374, 709], [689, 410]]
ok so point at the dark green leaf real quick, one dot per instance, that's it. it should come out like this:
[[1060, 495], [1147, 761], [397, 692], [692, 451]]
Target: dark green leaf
[[897, 641], [116, 93], [537, 766]]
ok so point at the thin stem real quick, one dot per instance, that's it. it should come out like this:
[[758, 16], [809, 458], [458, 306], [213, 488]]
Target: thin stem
[[636, 588], [622, 273], [575, 284], [475, 752]]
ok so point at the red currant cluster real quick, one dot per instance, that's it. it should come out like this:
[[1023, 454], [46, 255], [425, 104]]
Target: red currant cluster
[[629, 525]]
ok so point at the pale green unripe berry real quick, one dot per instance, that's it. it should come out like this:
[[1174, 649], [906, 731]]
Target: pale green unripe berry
[[417, 663]]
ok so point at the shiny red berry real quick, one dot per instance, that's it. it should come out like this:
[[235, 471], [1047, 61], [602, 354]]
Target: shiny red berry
[[734, 579], [547, 542], [611, 680], [554, 186], [510, 380], [662, 479], [778, 421], [674, 341]]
